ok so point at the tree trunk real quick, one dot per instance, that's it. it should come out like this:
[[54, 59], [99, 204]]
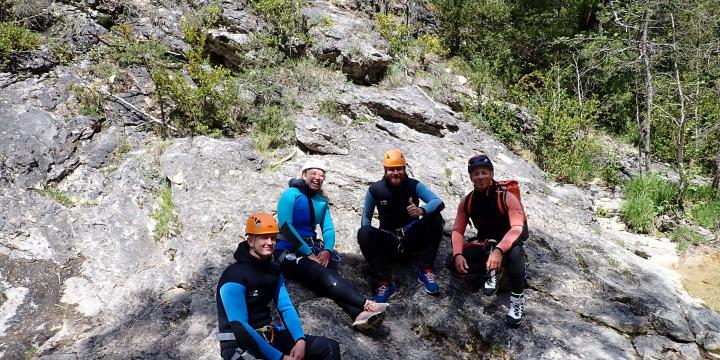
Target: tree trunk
[[681, 123], [645, 53]]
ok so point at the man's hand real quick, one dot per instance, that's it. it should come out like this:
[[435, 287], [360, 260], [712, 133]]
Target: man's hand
[[494, 261], [324, 257], [298, 351], [413, 210], [461, 265], [314, 258]]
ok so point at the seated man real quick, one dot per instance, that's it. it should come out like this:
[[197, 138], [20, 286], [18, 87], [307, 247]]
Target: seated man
[[244, 292], [499, 218], [404, 226]]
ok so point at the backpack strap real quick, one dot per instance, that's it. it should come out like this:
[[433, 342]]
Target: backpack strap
[[502, 200], [468, 206]]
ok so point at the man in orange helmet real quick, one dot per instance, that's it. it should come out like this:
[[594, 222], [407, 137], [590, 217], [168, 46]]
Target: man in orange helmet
[[244, 292], [404, 225]]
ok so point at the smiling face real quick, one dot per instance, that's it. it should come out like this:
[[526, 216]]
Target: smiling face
[[481, 178], [395, 175], [262, 245], [314, 178]]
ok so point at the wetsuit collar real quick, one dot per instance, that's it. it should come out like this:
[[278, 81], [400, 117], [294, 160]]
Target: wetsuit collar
[[301, 185], [242, 255]]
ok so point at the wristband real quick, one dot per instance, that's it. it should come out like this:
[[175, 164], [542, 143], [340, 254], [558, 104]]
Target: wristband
[[456, 255], [502, 253]]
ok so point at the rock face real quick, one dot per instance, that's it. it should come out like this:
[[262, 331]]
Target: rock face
[[348, 40], [83, 273]]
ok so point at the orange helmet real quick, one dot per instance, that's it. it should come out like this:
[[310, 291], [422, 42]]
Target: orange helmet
[[261, 223], [394, 158]]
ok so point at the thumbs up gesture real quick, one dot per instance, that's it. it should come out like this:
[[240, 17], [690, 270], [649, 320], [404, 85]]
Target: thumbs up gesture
[[413, 210]]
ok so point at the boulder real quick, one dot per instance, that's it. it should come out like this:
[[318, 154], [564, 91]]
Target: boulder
[[320, 136]]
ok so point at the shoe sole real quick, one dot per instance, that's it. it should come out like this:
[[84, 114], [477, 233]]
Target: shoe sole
[[490, 294], [428, 291], [372, 322]]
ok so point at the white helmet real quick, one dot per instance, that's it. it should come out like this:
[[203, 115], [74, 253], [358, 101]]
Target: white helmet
[[314, 164]]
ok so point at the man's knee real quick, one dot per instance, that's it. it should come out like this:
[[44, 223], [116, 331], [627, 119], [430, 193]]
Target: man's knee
[[364, 235]]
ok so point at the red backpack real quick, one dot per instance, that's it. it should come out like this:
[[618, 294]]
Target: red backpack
[[503, 187]]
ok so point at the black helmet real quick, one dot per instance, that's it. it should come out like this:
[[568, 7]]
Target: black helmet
[[478, 161]]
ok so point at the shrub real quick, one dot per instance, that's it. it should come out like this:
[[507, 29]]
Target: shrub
[[15, 38], [273, 129], [284, 18], [129, 50], [203, 98], [331, 109], [707, 214], [646, 197], [501, 121], [57, 195], [639, 213], [610, 171]]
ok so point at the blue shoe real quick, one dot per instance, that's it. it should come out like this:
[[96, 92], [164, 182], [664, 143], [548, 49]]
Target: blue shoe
[[384, 291], [427, 278]]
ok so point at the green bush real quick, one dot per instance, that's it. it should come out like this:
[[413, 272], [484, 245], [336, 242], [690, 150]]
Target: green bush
[[331, 109], [707, 214], [660, 191], [684, 236], [284, 18], [129, 50], [200, 98], [273, 129], [639, 213], [501, 120], [610, 171], [15, 38], [647, 197], [207, 103]]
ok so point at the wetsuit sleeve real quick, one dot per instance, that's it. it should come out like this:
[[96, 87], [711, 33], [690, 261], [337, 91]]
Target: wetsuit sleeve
[[432, 201], [287, 310], [517, 222], [286, 204], [458, 234], [368, 209], [232, 296], [328, 229]]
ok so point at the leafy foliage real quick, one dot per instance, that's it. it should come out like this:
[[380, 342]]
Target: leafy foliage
[[15, 38], [646, 197]]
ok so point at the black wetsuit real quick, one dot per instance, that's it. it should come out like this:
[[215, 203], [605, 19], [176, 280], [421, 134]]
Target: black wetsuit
[[422, 235], [244, 293], [491, 223]]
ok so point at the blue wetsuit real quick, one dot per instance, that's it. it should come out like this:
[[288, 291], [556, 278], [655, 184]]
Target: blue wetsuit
[[244, 293], [298, 219]]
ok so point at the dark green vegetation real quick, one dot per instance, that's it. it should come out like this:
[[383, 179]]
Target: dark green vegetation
[[647, 72], [14, 37]]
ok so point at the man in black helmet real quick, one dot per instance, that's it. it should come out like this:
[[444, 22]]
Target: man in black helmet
[[497, 214]]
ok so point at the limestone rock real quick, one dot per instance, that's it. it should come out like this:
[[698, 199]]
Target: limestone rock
[[659, 347], [348, 40], [318, 136], [407, 105]]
